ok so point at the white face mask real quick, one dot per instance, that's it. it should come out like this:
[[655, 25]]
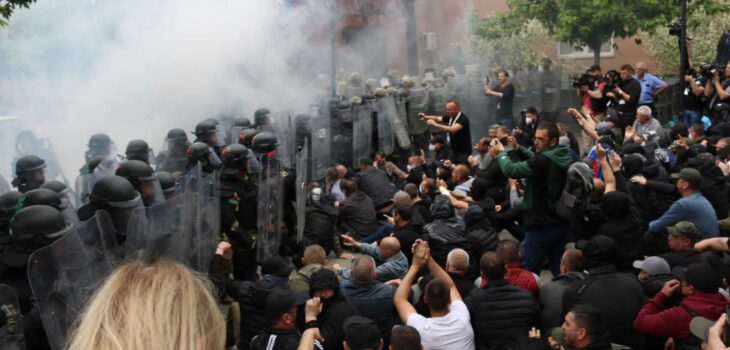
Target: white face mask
[[564, 140], [409, 168], [528, 120], [431, 147]]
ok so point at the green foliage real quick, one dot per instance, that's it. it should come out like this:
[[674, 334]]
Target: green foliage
[[509, 51], [8, 6], [704, 29], [591, 22]]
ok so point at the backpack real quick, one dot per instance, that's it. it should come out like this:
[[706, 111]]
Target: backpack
[[575, 198]]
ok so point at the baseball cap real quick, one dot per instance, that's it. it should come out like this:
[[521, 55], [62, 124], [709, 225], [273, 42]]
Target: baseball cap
[[361, 333], [684, 229], [690, 175], [653, 266], [276, 266], [700, 327], [699, 275], [280, 301]]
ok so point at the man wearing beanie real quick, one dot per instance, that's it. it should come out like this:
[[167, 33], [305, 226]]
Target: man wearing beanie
[[323, 284], [699, 284]]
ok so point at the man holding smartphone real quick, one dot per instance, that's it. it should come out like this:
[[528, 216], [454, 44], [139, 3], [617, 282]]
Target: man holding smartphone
[[456, 126]]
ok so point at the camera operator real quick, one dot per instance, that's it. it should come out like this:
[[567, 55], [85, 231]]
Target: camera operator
[[718, 90], [625, 96], [598, 97], [693, 97]]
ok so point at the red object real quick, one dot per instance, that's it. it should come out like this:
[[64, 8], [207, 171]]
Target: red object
[[674, 321], [519, 277]]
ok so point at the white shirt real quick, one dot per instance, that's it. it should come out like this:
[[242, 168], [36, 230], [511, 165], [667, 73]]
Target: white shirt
[[336, 191], [450, 332]]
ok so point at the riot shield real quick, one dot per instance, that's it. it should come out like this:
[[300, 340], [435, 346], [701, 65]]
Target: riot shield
[[41, 147], [352, 91], [475, 104], [387, 115], [321, 155], [362, 128], [185, 227], [285, 134], [437, 103], [400, 124], [11, 332], [270, 211], [417, 103], [64, 275], [235, 134], [301, 188], [85, 183], [4, 185]]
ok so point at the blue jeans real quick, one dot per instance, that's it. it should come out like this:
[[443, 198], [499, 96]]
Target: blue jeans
[[541, 242], [508, 122], [380, 233], [692, 117]]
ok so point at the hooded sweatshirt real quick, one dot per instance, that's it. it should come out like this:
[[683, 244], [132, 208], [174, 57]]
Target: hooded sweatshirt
[[546, 173], [624, 227], [674, 321]]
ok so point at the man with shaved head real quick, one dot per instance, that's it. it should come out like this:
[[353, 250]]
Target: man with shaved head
[[392, 263], [371, 298], [457, 263], [551, 294]]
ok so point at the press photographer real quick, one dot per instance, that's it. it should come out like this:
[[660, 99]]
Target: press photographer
[[625, 95], [693, 96], [718, 90]]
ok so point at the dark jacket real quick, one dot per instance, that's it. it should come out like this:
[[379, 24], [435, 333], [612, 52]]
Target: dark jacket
[[357, 215], [446, 231], [654, 284], [278, 339], [375, 301], [421, 209], [617, 295], [496, 180], [335, 310], [251, 299], [481, 235], [463, 284], [714, 185], [546, 173], [673, 322], [500, 310], [319, 226], [407, 235], [623, 226], [376, 185], [551, 298]]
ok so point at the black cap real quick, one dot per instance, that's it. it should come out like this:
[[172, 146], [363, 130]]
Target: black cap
[[276, 266], [280, 301], [361, 333], [699, 275]]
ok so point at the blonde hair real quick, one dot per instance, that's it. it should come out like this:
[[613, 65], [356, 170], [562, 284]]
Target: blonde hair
[[162, 305]]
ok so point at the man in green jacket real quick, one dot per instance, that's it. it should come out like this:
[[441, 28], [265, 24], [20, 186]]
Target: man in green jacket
[[545, 172]]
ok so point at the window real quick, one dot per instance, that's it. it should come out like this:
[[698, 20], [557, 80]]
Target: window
[[569, 51]]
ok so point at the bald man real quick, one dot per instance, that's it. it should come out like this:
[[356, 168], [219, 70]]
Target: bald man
[[391, 262], [457, 264]]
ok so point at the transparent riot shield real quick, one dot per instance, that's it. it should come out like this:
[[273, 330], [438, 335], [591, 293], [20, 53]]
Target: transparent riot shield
[[285, 134], [475, 104], [27, 144], [185, 227], [362, 128], [438, 95], [11, 332], [4, 185], [417, 103], [321, 154], [270, 211], [235, 134], [85, 183], [64, 275], [301, 188], [352, 91], [387, 114], [400, 124]]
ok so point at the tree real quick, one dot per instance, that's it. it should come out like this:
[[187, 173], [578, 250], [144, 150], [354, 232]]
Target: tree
[[593, 22], [705, 31], [8, 6]]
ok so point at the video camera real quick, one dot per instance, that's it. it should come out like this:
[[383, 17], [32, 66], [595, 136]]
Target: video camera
[[583, 80], [708, 70], [613, 78], [674, 29]]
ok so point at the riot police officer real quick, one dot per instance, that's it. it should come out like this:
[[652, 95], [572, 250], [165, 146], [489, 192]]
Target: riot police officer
[[43, 196], [262, 119], [167, 182], [173, 157], [207, 132], [8, 206], [99, 144], [117, 196], [239, 193], [143, 178], [199, 152], [138, 150], [29, 171], [245, 137]]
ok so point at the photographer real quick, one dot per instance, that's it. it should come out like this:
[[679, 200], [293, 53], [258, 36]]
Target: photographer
[[692, 97], [625, 95], [718, 90]]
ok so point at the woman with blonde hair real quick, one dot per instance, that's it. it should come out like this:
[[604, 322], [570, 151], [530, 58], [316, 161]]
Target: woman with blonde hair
[[159, 305]]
